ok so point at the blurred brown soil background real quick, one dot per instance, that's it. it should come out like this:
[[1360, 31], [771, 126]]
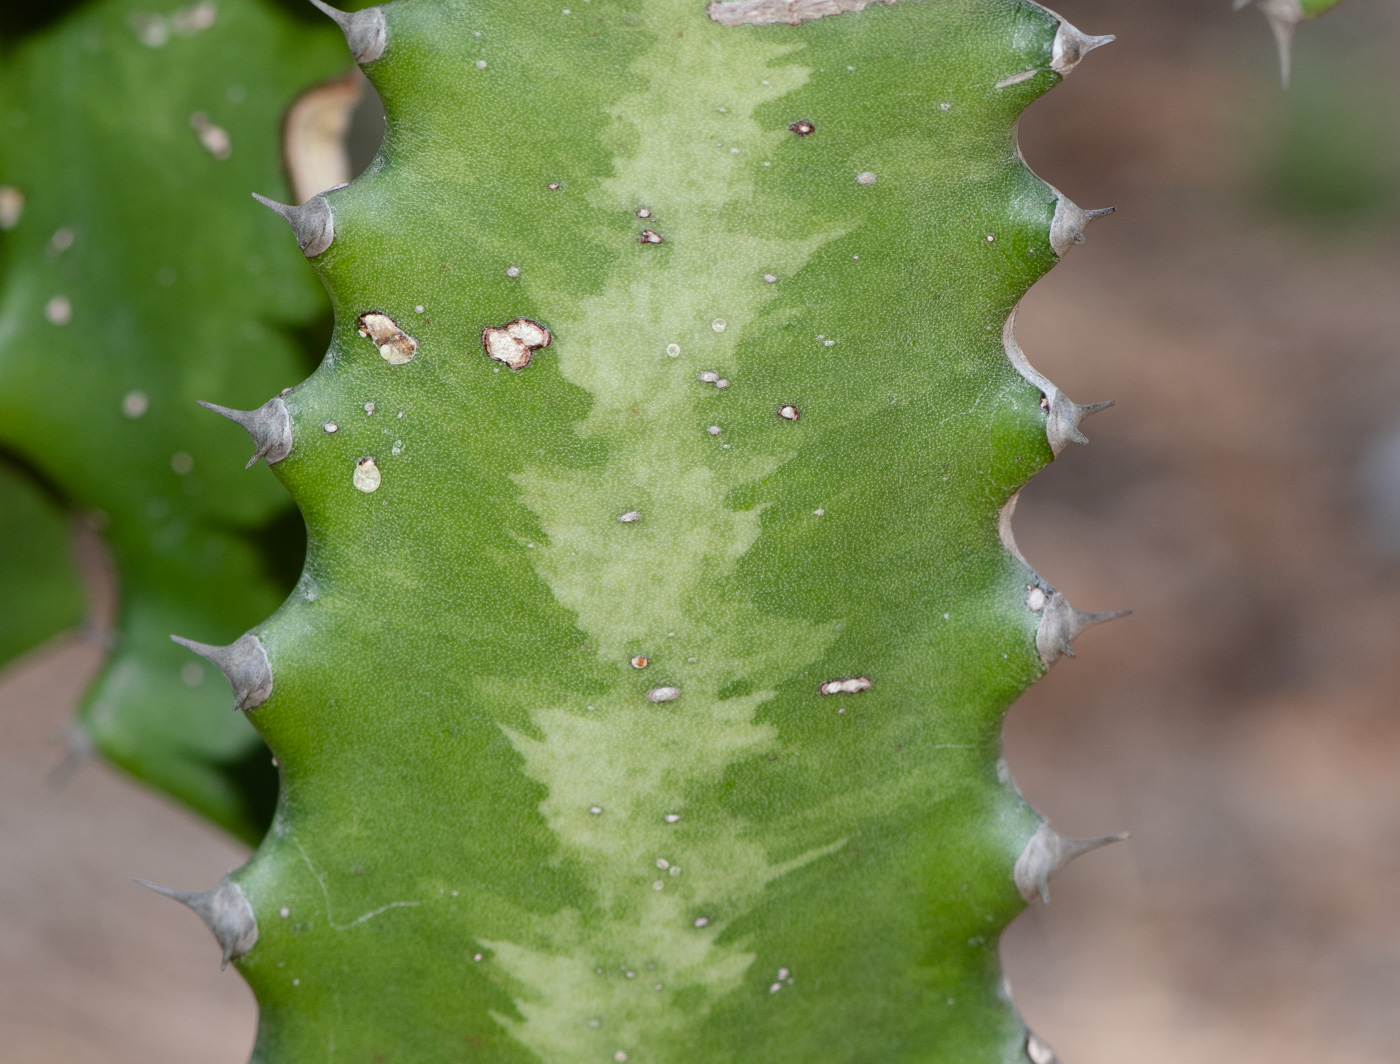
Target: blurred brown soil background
[[1243, 308]]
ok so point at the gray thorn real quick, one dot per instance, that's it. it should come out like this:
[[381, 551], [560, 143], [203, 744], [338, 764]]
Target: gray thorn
[[77, 748], [312, 223], [1063, 415], [1283, 17], [224, 910], [244, 664], [1063, 418], [1071, 46], [1070, 220], [1061, 624], [1045, 854], [365, 31], [270, 425]]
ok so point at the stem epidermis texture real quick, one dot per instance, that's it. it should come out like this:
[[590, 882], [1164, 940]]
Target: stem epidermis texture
[[499, 839]]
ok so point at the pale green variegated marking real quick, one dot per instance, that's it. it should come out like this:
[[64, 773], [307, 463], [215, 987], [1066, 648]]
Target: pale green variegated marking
[[653, 575], [479, 793]]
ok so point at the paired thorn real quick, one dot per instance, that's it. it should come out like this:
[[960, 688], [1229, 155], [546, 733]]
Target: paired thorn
[[78, 748], [270, 425], [1062, 414], [224, 910], [244, 664], [1070, 220], [1045, 854], [365, 31], [1061, 624], [312, 223], [1071, 46]]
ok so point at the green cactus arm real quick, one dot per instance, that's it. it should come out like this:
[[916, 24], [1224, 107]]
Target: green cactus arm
[[138, 278], [641, 699], [40, 591], [1283, 17]]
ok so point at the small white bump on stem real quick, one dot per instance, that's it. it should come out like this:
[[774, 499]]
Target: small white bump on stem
[[11, 207], [215, 138], [852, 686], [366, 476], [58, 310]]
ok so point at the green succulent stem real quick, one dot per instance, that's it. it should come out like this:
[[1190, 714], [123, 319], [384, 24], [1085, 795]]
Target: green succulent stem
[[641, 697]]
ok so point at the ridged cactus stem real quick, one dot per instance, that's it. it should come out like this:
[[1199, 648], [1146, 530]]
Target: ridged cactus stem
[[641, 698]]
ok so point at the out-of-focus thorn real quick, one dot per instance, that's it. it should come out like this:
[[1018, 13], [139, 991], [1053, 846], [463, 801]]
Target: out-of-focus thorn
[[78, 748], [224, 910], [1045, 854], [1283, 17], [1061, 623], [1070, 220], [244, 664]]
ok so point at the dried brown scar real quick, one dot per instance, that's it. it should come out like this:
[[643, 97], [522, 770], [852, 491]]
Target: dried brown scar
[[395, 346], [803, 128], [513, 344]]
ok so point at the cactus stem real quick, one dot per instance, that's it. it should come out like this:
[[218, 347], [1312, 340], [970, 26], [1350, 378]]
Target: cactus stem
[[1071, 46], [1045, 854], [1063, 414], [1070, 220], [312, 223], [1060, 625], [224, 910], [270, 425], [244, 664], [365, 31]]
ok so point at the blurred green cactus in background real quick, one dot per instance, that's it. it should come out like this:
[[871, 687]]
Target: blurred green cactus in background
[[139, 277]]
